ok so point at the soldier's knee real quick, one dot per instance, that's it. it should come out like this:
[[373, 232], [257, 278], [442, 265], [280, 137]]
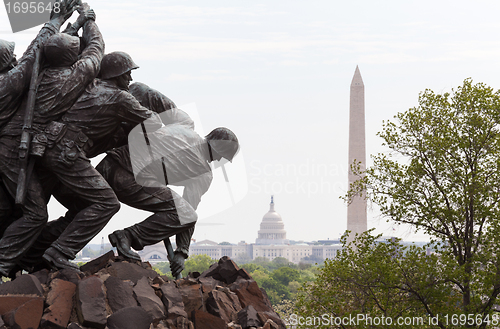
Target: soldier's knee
[[186, 217], [110, 206], [40, 216], [115, 206]]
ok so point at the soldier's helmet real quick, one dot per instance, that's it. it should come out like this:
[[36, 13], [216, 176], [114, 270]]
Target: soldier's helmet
[[224, 142], [115, 64], [6, 53], [151, 98], [61, 50]]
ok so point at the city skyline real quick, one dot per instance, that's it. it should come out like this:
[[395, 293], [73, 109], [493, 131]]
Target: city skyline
[[278, 73]]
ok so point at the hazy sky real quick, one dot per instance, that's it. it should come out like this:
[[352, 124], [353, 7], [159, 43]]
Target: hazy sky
[[278, 74]]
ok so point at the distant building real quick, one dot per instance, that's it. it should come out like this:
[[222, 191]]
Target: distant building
[[272, 228], [155, 253], [271, 242], [216, 251]]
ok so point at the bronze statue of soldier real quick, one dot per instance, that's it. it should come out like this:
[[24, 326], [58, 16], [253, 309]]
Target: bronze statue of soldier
[[183, 159], [20, 227], [99, 115]]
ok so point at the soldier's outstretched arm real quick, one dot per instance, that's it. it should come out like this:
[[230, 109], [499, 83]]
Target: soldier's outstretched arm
[[94, 51], [85, 70]]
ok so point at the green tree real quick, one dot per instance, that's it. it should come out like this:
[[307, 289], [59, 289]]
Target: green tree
[[260, 276], [441, 177], [251, 267], [294, 287], [197, 263], [284, 275], [380, 279], [280, 262], [276, 291], [263, 261], [163, 268]]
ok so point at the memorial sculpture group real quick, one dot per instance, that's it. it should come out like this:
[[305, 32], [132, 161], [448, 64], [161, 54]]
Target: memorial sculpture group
[[66, 101]]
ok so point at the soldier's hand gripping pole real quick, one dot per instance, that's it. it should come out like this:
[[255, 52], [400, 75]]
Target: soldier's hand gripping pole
[[24, 146], [171, 254]]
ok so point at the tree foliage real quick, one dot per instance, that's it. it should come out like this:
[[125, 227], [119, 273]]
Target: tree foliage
[[280, 278], [197, 263], [442, 177], [382, 279]]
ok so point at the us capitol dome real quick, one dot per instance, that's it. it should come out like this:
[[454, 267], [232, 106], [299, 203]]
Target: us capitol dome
[[272, 229]]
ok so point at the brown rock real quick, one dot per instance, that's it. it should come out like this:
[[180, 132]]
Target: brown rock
[[158, 281], [42, 276], [172, 299], [11, 302], [242, 273], [99, 263], [249, 294], [68, 275], [179, 322], [233, 325], [26, 316], [129, 271], [193, 275], [271, 315], [212, 272], [91, 303], [205, 320], [130, 318], [26, 284], [192, 296], [207, 285], [270, 325], [60, 304], [267, 301], [120, 293], [248, 317], [226, 271], [224, 303], [148, 300]]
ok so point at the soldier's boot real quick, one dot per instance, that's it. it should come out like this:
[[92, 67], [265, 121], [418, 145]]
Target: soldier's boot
[[6, 269], [122, 241], [58, 261]]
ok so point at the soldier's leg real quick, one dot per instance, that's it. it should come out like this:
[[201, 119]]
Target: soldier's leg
[[8, 211], [87, 184], [32, 260], [21, 234], [166, 204]]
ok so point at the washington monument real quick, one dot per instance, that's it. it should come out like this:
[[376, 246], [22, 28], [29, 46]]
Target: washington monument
[[356, 211]]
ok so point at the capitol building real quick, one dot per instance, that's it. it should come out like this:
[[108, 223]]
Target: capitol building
[[271, 242], [272, 229]]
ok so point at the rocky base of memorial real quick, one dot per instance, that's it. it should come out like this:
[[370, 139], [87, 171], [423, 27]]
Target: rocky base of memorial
[[115, 294]]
